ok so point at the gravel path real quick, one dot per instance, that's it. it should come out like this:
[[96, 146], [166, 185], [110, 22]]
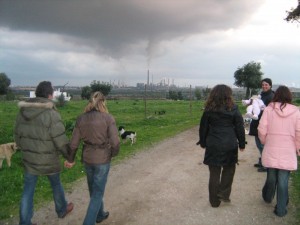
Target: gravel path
[[168, 185]]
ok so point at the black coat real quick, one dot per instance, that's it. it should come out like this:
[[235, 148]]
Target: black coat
[[266, 97], [221, 134]]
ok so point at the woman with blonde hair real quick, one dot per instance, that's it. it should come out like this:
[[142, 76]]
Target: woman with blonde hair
[[96, 128], [97, 102]]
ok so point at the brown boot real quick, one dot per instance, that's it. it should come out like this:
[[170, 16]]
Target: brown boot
[[70, 207]]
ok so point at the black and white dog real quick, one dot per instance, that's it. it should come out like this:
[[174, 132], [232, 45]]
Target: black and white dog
[[127, 135]]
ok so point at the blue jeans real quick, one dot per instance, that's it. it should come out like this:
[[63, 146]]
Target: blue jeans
[[26, 207], [259, 145], [96, 179], [260, 148], [277, 178]]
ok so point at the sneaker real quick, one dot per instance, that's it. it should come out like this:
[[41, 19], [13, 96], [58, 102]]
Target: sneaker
[[105, 216]]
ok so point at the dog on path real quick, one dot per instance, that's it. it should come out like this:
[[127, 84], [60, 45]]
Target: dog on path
[[6, 152], [127, 135]]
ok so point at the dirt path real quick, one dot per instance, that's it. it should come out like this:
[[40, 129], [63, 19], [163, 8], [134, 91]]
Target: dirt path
[[168, 185]]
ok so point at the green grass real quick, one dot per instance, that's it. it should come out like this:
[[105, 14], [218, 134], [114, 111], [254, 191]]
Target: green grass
[[295, 191], [150, 127]]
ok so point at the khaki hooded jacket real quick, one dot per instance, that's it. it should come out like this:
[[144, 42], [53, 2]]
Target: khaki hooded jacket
[[40, 134]]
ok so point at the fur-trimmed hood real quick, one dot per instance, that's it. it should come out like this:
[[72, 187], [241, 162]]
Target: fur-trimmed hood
[[40, 134], [34, 107]]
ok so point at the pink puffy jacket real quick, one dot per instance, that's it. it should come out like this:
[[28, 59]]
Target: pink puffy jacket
[[279, 131]]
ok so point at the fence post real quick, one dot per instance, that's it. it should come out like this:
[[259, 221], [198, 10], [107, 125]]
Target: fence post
[[190, 99], [145, 100]]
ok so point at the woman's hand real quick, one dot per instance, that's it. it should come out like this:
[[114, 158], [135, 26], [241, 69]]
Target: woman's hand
[[68, 164]]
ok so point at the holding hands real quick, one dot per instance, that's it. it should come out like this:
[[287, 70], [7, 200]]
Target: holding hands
[[68, 164]]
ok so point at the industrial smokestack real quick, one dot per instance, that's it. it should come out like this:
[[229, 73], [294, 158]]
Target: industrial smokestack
[[148, 78]]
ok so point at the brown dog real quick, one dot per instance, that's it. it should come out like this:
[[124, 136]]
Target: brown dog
[[6, 151]]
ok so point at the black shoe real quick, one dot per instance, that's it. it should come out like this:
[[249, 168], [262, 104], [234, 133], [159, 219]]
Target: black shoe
[[276, 213], [222, 199], [262, 169], [105, 216], [215, 204], [258, 165]]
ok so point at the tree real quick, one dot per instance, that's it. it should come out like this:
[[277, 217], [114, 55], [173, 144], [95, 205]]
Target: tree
[[294, 14], [206, 92], [249, 76], [4, 83], [198, 93], [173, 95], [61, 101], [105, 88], [86, 92], [180, 96]]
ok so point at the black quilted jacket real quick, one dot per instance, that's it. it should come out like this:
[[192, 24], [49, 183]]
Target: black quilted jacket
[[221, 134]]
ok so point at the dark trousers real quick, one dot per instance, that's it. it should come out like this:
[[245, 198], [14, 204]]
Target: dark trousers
[[220, 183]]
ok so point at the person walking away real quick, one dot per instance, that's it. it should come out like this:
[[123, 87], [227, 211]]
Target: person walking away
[[40, 134], [279, 131], [221, 133], [97, 129], [266, 96]]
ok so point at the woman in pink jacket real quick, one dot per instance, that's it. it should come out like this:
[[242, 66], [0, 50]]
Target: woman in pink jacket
[[279, 131]]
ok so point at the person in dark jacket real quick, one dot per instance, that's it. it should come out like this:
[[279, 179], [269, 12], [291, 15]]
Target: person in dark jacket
[[267, 95], [221, 133], [40, 134], [98, 131]]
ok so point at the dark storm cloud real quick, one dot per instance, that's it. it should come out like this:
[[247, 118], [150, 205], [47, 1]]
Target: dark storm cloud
[[115, 27]]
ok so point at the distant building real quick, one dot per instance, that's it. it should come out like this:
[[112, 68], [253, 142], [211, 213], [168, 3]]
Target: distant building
[[140, 85], [56, 95]]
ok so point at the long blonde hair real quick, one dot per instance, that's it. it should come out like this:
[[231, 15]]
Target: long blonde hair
[[97, 102]]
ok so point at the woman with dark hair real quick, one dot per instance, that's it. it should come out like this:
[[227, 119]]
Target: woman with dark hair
[[266, 96], [221, 133], [279, 131]]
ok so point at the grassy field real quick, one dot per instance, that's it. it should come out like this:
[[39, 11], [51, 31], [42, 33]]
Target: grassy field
[[150, 127]]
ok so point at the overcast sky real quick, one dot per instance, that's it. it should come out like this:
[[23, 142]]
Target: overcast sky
[[187, 42]]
